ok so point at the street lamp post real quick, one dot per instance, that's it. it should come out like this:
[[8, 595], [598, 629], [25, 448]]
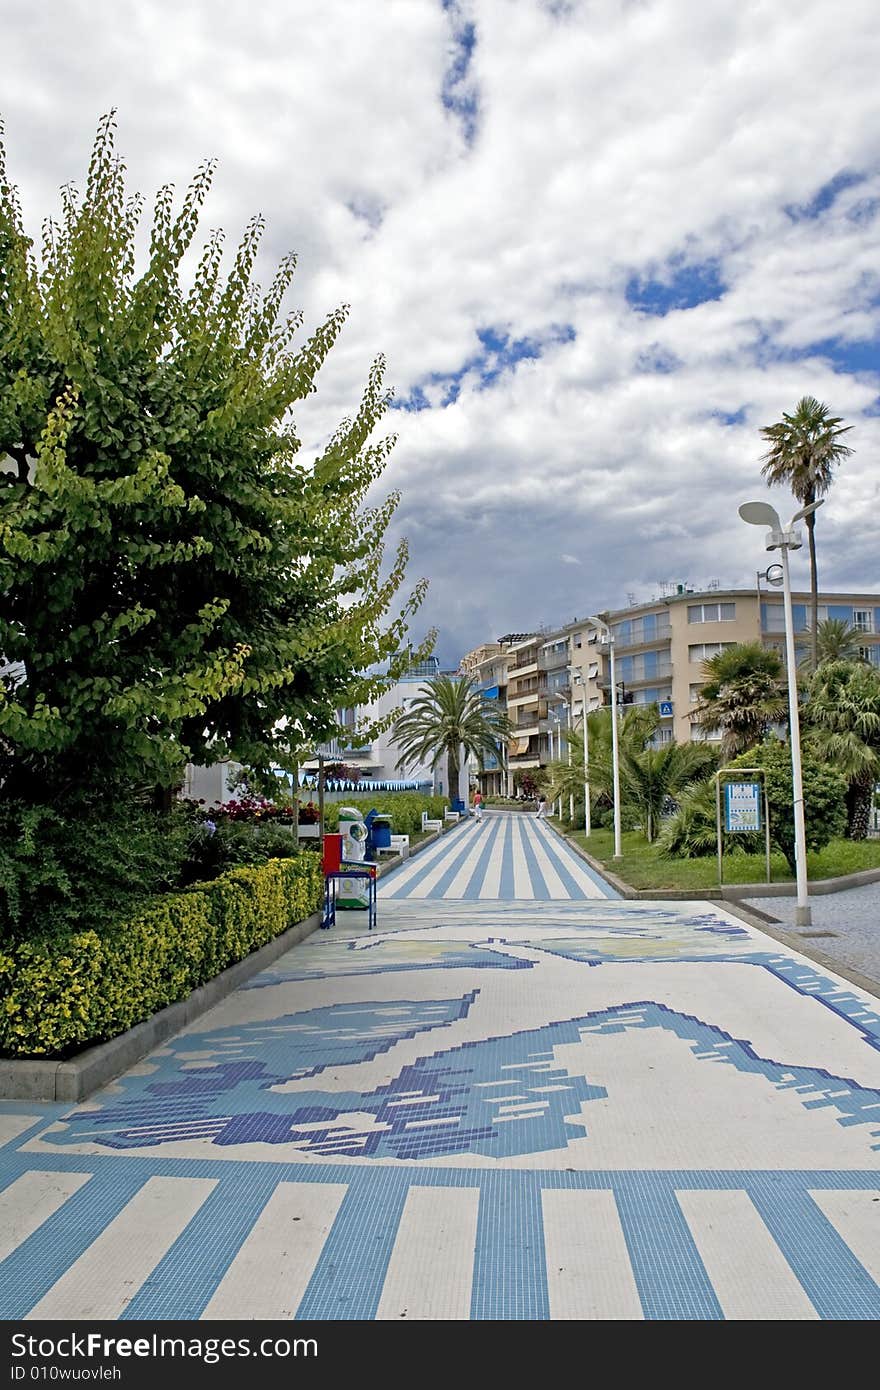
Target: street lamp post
[[580, 674], [608, 640], [785, 539], [568, 742], [556, 721]]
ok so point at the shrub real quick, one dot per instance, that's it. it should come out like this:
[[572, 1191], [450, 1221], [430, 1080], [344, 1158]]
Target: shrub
[[77, 987], [691, 832], [824, 795], [97, 860], [404, 808]]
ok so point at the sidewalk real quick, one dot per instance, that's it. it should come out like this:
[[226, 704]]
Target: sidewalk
[[525, 1107]]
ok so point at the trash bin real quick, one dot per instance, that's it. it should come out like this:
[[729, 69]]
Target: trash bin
[[381, 832], [458, 805]]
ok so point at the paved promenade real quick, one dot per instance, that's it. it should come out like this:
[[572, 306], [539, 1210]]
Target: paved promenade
[[539, 1104]]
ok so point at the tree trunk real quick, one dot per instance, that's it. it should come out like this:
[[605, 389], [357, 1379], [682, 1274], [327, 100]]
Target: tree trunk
[[814, 586], [858, 803], [452, 771]]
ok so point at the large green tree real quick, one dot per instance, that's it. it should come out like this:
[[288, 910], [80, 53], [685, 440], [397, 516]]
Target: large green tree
[[742, 695], [843, 714], [804, 449], [175, 581], [448, 717]]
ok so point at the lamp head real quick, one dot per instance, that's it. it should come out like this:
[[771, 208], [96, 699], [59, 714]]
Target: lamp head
[[805, 511], [761, 514], [773, 575]]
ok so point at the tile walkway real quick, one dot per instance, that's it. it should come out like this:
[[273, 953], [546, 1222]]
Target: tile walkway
[[537, 1104]]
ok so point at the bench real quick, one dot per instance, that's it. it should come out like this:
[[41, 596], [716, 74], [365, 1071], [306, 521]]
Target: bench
[[399, 845], [429, 824], [451, 815]]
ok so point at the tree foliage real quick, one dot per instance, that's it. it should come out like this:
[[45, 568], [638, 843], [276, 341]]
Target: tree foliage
[[742, 695], [843, 713], [824, 795], [175, 582], [836, 640], [448, 716]]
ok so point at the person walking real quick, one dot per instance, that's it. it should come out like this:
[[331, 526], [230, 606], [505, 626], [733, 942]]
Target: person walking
[[542, 807], [478, 804]]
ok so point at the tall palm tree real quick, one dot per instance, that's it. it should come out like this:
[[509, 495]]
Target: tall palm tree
[[804, 450], [449, 716], [843, 713], [742, 696]]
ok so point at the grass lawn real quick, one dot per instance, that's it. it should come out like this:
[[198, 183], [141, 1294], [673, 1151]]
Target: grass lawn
[[642, 867]]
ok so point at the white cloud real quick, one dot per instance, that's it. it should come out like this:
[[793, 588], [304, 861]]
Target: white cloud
[[612, 140]]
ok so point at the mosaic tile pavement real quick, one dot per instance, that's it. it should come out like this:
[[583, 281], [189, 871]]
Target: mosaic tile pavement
[[487, 1110], [508, 856]]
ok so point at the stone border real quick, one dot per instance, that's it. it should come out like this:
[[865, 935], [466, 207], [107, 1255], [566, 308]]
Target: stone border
[[80, 1076], [727, 892]]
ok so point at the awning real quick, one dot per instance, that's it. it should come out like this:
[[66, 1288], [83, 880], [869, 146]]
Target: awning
[[518, 745], [491, 693]]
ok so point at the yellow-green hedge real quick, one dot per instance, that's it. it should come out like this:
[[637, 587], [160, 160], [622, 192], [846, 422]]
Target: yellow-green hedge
[[81, 987]]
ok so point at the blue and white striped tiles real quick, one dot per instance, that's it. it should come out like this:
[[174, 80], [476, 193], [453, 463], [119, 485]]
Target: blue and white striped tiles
[[330, 1243], [506, 857]]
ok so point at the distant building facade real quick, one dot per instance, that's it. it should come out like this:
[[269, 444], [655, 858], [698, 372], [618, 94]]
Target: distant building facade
[[660, 648]]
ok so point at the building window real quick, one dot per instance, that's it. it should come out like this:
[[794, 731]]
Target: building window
[[863, 619], [711, 612], [701, 735], [701, 651], [871, 654], [695, 693]]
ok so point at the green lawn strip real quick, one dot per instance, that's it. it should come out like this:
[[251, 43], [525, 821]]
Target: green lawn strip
[[643, 867]]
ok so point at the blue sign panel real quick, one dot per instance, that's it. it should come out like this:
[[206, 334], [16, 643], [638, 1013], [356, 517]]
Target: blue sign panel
[[742, 806], [665, 709]]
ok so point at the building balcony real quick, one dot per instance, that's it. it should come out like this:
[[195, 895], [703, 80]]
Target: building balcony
[[641, 634], [662, 672]]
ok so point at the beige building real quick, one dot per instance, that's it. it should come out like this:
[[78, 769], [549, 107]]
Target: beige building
[[660, 648], [488, 667]]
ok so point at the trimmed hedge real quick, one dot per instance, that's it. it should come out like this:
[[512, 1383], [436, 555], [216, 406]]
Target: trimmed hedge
[[63, 992], [404, 808]]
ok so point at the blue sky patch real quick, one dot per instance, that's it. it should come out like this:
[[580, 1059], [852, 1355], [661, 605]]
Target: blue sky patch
[[499, 352], [457, 94], [681, 286], [824, 198]]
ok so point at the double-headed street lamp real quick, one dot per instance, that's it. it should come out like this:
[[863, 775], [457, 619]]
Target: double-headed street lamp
[[784, 539], [607, 639]]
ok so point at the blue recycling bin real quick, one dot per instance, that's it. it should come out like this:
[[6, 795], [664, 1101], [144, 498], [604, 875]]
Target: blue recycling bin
[[458, 805], [382, 832]]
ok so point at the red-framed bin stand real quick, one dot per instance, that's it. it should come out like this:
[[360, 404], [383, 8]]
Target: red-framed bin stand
[[336, 870]]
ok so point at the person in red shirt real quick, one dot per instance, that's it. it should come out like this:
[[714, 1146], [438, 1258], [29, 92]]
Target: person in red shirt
[[478, 804]]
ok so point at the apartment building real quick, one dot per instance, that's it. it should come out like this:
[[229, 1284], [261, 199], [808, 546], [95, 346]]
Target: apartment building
[[660, 648], [488, 667]]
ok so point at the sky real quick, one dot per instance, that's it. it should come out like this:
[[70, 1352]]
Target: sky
[[600, 244]]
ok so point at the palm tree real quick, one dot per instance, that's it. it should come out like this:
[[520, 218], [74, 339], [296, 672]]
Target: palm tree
[[637, 723], [804, 450], [837, 641], [843, 711], [742, 695], [450, 716], [654, 775], [648, 775]]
